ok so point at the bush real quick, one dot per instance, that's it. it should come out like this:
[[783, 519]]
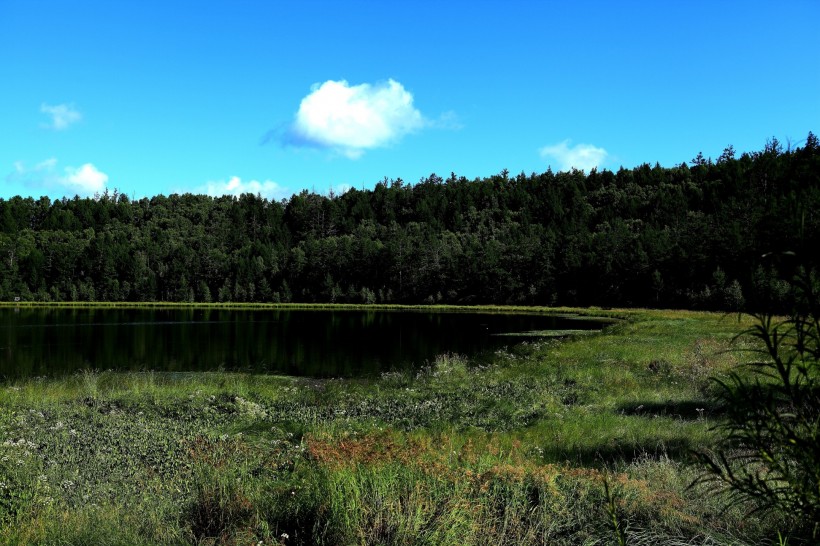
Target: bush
[[770, 450]]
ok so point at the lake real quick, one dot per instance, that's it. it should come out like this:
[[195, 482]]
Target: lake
[[317, 343]]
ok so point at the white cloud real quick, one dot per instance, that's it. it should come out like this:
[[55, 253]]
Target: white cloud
[[85, 180], [580, 156], [62, 115], [353, 119], [235, 186]]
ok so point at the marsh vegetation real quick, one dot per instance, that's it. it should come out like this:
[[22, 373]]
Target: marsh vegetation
[[513, 451]]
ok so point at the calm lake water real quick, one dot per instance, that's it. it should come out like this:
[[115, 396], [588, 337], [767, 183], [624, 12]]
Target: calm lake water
[[43, 341]]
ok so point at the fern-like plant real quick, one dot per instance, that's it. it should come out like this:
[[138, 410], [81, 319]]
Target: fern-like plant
[[770, 448]]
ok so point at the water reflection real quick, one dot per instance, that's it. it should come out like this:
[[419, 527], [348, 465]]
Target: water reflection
[[54, 341]]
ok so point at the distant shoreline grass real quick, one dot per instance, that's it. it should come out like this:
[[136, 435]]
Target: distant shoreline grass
[[578, 312], [308, 306], [514, 452]]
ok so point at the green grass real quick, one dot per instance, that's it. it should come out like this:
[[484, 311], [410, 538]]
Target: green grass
[[510, 452]]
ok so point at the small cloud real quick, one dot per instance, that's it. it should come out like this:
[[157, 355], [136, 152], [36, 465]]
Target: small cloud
[[449, 120], [62, 115], [581, 156], [235, 186], [47, 165], [354, 118], [85, 180]]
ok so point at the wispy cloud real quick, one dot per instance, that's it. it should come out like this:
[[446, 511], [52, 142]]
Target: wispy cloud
[[581, 156], [449, 120], [351, 119], [235, 186], [85, 180], [62, 115]]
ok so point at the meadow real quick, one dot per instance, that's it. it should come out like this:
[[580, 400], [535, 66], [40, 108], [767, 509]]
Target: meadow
[[584, 439]]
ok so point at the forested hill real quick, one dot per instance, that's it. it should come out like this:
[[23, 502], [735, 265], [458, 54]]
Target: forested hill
[[687, 236]]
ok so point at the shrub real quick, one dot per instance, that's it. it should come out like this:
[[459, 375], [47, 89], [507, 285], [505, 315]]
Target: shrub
[[770, 450]]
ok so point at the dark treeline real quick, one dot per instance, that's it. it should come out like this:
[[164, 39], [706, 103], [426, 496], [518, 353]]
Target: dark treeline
[[687, 236]]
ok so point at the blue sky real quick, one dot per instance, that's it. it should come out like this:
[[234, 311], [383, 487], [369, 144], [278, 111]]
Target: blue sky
[[151, 97]]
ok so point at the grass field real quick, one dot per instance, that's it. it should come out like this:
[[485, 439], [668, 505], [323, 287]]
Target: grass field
[[514, 452]]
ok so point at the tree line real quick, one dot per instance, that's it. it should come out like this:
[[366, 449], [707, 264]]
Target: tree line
[[697, 235]]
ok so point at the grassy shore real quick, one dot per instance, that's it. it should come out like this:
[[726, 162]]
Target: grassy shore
[[515, 452], [592, 312]]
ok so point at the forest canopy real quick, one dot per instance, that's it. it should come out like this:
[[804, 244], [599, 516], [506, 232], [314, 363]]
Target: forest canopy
[[704, 234]]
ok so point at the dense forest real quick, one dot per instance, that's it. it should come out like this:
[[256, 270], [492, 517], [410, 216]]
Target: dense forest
[[707, 234]]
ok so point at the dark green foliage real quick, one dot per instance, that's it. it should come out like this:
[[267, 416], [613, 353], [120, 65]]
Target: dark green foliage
[[770, 448], [650, 236]]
